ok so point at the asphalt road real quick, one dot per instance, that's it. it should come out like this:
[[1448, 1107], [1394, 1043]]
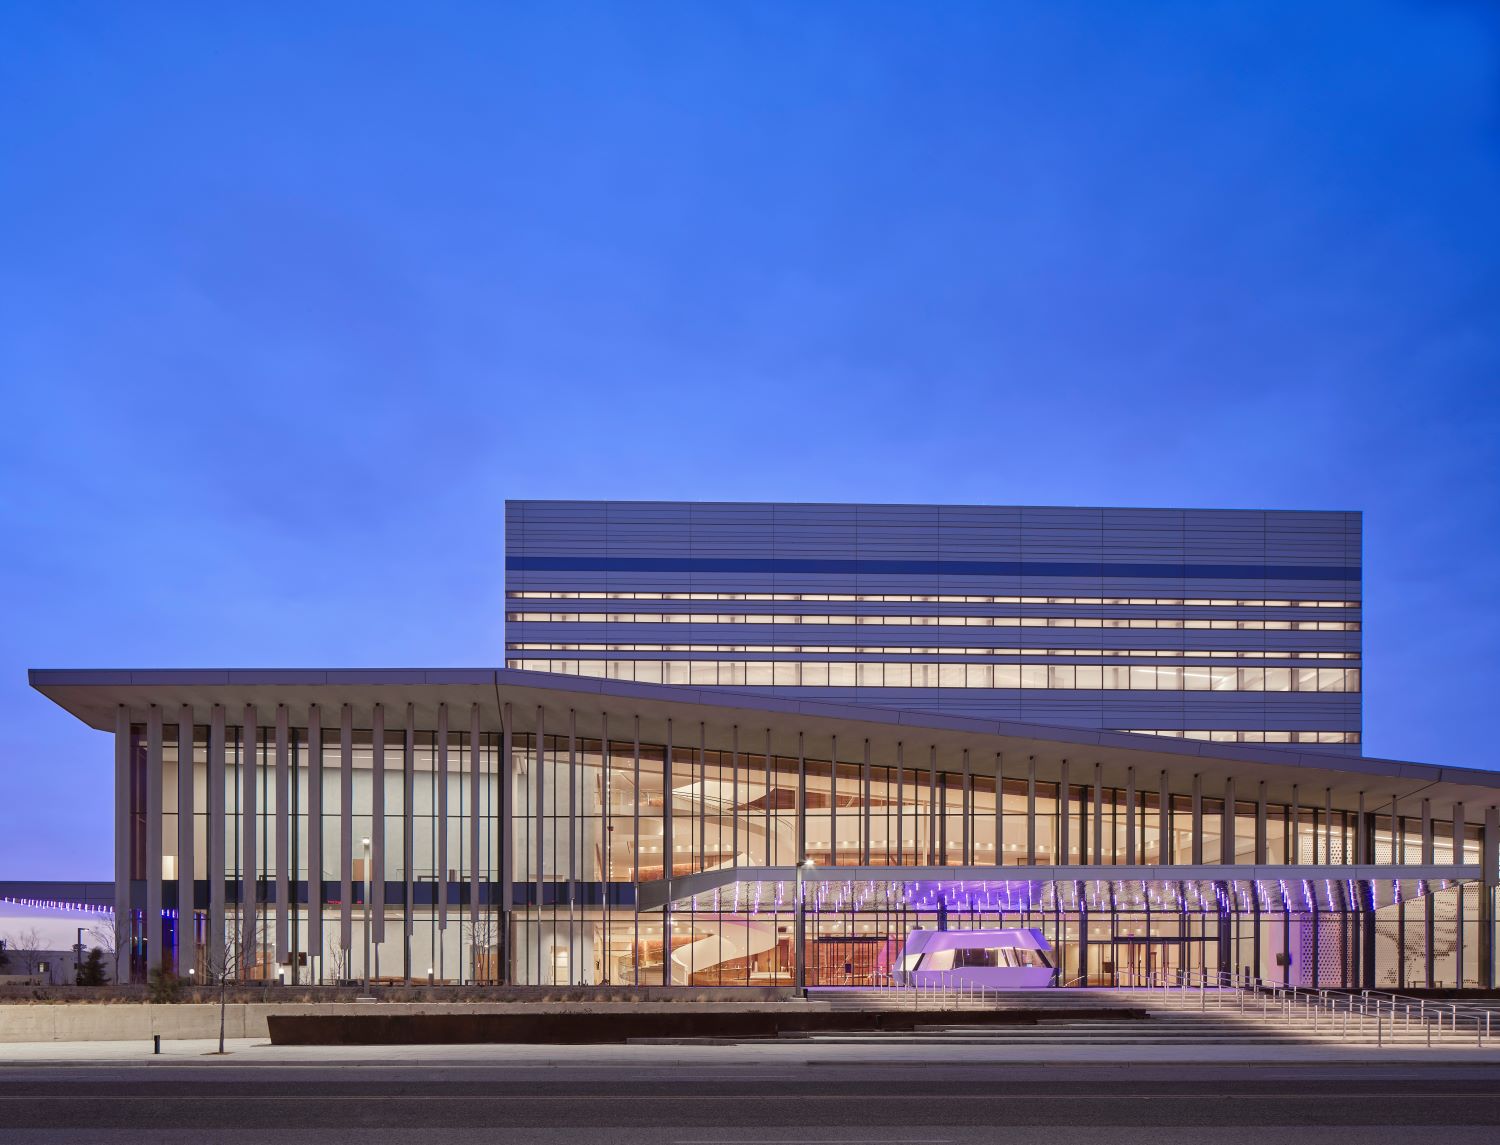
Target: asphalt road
[[783, 1103]]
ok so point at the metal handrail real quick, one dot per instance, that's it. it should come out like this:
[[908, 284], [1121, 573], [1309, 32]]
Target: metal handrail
[[1324, 1012], [1386, 1010]]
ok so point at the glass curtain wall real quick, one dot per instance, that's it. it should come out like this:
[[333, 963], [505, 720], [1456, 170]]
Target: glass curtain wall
[[589, 821]]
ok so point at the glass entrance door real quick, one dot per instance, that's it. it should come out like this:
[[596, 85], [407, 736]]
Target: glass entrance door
[[1155, 961]]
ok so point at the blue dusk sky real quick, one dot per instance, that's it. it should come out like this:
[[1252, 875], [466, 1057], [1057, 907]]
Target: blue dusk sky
[[292, 297]]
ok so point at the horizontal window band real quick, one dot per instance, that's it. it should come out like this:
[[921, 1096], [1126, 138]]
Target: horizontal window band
[[788, 565], [800, 619], [924, 599], [990, 677], [1245, 735], [978, 654]]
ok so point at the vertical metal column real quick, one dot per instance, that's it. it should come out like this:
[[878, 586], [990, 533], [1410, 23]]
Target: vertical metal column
[[572, 871], [1065, 815], [217, 846], [408, 844], [1429, 925], [1099, 814], [968, 800], [901, 805], [1489, 878], [635, 842], [666, 850], [156, 954], [773, 856], [801, 798], [1328, 827], [476, 761], [1459, 832], [314, 871], [187, 915], [1197, 820], [249, 830], [606, 848], [1130, 823], [1164, 822], [346, 839], [833, 803], [1229, 824], [444, 877], [508, 844], [1262, 844], [1364, 836], [1031, 810], [864, 829], [734, 799], [539, 812], [999, 809], [283, 835], [124, 911], [932, 824], [375, 877], [1294, 842], [701, 862]]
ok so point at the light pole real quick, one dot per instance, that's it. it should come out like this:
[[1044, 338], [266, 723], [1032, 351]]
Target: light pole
[[800, 939], [78, 957], [366, 844]]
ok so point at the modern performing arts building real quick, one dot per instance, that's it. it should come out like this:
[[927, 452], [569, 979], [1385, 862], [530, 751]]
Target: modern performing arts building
[[599, 823]]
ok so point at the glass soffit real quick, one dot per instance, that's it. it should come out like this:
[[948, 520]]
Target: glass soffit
[[764, 896]]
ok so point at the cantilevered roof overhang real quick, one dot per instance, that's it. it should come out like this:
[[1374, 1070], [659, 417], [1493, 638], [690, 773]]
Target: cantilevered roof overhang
[[719, 718]]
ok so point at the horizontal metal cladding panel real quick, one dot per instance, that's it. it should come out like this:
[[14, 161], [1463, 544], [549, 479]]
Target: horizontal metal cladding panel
[[786, 563], [998, 531], [1089, 717], [1155, 587], [949, 514]]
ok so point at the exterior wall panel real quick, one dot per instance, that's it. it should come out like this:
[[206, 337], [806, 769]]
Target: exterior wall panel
[[1106, 554]]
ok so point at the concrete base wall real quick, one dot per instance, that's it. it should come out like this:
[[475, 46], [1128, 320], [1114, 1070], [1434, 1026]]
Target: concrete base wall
[[81, 1022]]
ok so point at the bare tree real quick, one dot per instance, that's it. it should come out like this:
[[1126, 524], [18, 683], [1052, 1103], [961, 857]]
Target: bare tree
[[337, 963], [26, 945], [221, 966], [482, 933], [113, 937]]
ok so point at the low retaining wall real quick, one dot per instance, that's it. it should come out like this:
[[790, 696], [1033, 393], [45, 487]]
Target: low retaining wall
[[64, 1022], [140, 1021], [418, 1023], [581, 1026]]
